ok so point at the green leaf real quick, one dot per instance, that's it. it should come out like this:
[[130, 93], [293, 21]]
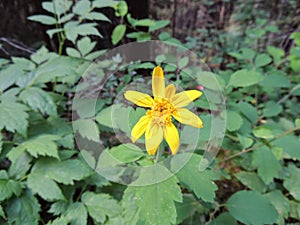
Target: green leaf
[[48, 20], [292, 181], [245, 78], [57, 7], [121, 9], [209, 80], [20, 167], [275, 81], [44, 187], [158, 25], [101, 206], [200, 182], [251, 180], [82, 7], [155, 201], [144, 23], [297, 122], [40, 145], [23, 210], [263, 132], [126, 153], [65, 172], [13, 117], [280, 202], [97, 16], [2, 214], [272, 109], [224, 219], [118, 34], [39, 100], [103, 4], [187, 208], [58, 207], [245, 141], [266, 163], [234, 121], [248, 111], [246, 53], [183, 62], [87, 128], [250, 207], [73, 29], [85, 45], [9, 188], [73, 52], [262, 60], [276, 53], [77, 214]]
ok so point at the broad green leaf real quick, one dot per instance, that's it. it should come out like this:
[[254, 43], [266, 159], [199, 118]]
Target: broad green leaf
[[251, 208], [13, 117], [263, 132], [251, 180], [290, 145], [65, 172], [43, 145], [246, 53], [276, 53], [73, 52], [234, 121], [224, 219], [262, 60], [272, 109], [48, 20], [85, 45], [158, 25], [44, 187], [121, 9], [275, 81], [126, 153], [292, 181], [100, 206], [266, 163], [97, 16], [156, 202], [209, 80], [82, 7], [118, 34], [248, 111], [23, 210], [200, 182], [9, 188], [297, 122], [130, 209], [58, 207], [39, 100], [245, 78], [87, 128], [77, 214], [280, 202], [2, 214]]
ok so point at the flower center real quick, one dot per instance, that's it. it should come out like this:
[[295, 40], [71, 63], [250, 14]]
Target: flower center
[[161, 112]]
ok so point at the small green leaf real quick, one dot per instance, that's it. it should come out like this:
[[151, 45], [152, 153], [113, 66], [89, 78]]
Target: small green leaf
[[144, 22], [121, 9], [9, 188], [73, 52], [103, 4], [158, 25], [251, 180], [85, 45], [245, 78], [266, 163], [82, 7], [272, 109], [87, 128], [292, 181], [250, 207], [48, 20], [234, 121], [183, 62], [100, 206], [23, 210], [77, 214], [276, 53], [262, 60], [97, 16], [263, 132], [118, 34], [187, 208], [248, 110], [200, 182]]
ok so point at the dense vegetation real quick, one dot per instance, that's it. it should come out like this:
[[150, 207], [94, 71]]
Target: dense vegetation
[[65, 150]]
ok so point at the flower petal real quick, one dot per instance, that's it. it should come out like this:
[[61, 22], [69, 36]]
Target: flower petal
[[139, 128], [185, 116], [158, 82], [170, 91], [184, 98], [153, 137], [139, 98], [172, 137]]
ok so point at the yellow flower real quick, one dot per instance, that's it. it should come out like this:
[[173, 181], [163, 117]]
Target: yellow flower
[[157, 123]]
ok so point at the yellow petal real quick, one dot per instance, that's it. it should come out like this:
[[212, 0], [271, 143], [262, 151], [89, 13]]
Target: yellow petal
[[139, 128], [158, 82], [139, 98], [153, 137], [185, 98], [170, 91], [185, 116], [172, 137]]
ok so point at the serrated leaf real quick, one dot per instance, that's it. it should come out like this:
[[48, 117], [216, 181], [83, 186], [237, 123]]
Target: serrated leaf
[[234, 121], [245, 78], [251, 180], [23, 210], [77, 214], [44, 187], [59, 207], [251, 208], [292, 181], [39, 100], [13, 117], [9, 188], [48, 20], [118, 34], [57, 7], [65, 172], [100, 206], [262, 60], [87, 128], [272, 109], [156, 201], [20, 166], [266, 163], [200, 182]]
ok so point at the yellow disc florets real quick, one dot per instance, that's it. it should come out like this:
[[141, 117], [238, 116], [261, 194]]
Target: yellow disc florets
[[161, 112]]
